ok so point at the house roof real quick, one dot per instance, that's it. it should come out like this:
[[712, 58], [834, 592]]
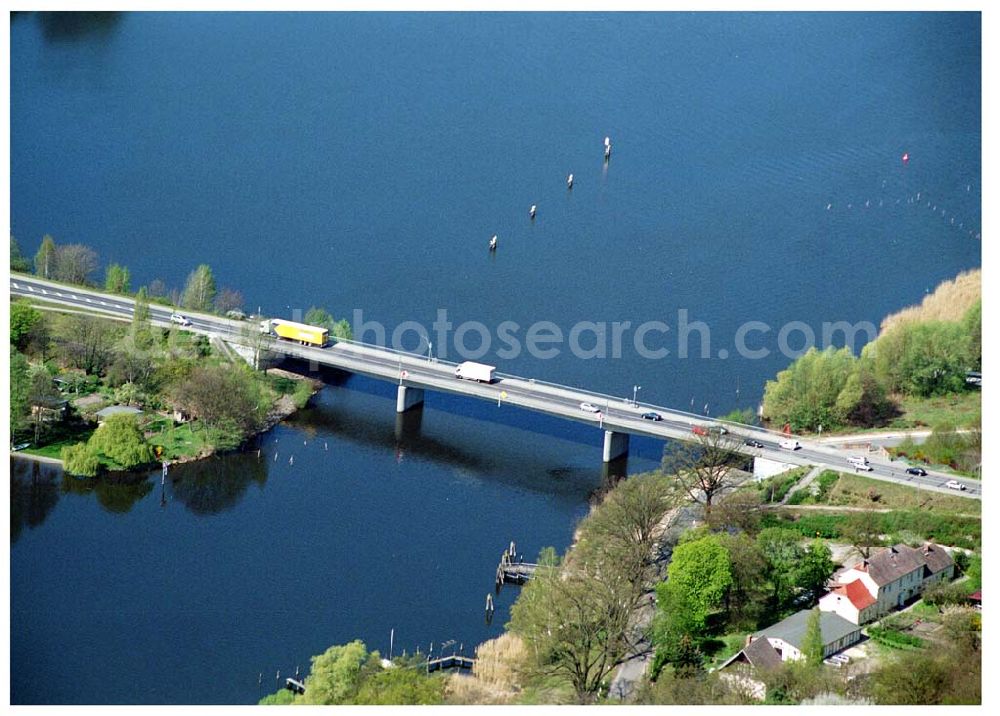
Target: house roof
[[890, 564], [758, 653], [792, 629], [936, 557], [116, 410], [856, 592]]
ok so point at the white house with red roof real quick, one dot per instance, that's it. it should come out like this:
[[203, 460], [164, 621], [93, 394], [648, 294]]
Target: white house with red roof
[[886, 581]]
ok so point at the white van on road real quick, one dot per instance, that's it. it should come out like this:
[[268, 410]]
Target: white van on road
[[860, 463], [789, 444]]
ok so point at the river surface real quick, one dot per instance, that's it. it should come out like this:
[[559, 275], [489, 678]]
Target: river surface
[[361, 162]]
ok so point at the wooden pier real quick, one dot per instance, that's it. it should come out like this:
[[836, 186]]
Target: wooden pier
[[513, 569], [455, 661]]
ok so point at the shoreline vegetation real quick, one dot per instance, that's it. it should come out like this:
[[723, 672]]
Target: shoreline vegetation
[[679, 564], [104, 395]]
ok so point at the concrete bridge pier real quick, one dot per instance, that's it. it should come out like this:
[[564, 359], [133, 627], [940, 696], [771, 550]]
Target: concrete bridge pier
[[615, 445], [407, 398], [408, 426], [614, 470]]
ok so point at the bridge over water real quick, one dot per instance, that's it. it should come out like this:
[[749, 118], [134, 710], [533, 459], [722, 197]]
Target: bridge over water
[[413, 374]]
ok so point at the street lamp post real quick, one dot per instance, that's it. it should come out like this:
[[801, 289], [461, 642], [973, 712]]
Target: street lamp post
[[430, 354], [635, 391]]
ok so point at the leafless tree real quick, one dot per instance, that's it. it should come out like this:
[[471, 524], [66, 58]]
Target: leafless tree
[[706, 465], [863, 530], [87, 342], [228, 300], [261, 343], [75, 263]]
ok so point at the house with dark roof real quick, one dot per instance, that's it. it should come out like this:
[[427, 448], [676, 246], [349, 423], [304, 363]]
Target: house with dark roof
[[743, 668], [787, 637], [891, 577]]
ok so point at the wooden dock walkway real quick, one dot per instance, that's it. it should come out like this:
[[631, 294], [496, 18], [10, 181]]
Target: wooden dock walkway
[[455, 661], [513, 569]]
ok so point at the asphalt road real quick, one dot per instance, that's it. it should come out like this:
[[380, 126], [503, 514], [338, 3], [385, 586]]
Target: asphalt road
[[614, 413]]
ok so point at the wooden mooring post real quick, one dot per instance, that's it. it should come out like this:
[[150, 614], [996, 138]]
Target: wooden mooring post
[[512, 568]]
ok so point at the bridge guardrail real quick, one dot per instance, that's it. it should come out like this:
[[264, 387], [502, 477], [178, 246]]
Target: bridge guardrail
[[236, 329]]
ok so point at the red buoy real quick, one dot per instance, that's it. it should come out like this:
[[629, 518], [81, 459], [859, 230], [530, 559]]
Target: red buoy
[[906, 157]]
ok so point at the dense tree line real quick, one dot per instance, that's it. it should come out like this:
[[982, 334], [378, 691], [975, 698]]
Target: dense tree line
[[349, 674], [833, 388]]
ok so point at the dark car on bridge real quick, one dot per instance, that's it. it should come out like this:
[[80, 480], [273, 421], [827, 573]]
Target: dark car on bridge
[[652, 416], [753, 443], [919, 471]]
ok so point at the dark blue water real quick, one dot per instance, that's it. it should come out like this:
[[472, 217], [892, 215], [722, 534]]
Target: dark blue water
[[240, 566], [362, 161]]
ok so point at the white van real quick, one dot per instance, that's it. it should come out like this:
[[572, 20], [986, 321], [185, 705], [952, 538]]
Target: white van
[[860, 463], [789, 444]]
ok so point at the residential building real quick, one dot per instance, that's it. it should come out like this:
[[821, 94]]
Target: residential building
[[891, 577], [787, 637]]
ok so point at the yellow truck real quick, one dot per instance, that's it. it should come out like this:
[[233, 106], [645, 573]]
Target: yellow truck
[[298, 332]]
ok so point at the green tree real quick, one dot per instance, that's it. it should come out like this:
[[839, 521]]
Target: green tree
[[814, 569], [812, 642], [121, 440], [316, 316], [972, 325], [912, 678], [805, 395], [281, 697], [141, 327], [18, 261], [923, 358], [574, 621], [42, 399], [337, 673], [698, 579], [80, 459], [398, 686], [746, 416], [342, 330], [745, 600], [45, 259], [23, 320], [199, 291], [117, 279], [783, 554], [226, 399], [20, 390], [129, 394]]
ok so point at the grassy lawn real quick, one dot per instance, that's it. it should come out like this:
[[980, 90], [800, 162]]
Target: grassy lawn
[[854, 490], [961, 410], [177, 441], [60, 438], [728, 644], [774, 488]]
